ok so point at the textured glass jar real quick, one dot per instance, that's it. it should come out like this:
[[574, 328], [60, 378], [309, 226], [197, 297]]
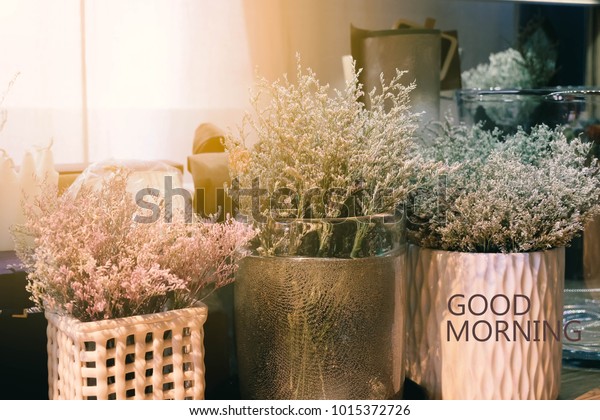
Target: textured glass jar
[[582, 290], [320, 328], [508, 109]]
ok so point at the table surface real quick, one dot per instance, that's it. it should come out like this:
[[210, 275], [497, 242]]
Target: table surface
[[576, 380], [7, 258]]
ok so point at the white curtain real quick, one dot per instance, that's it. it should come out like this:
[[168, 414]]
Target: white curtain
[[134, 78], [157, 69], [40, 41]]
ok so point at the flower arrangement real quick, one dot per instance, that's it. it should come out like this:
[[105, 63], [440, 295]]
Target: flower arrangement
[[520, 193], [504, 69], [89, 258], [531, 65], [511, 89], [321, 154], [324, 181]]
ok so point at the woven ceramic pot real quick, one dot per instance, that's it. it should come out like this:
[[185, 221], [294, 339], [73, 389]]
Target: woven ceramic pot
[[485, 326], [155, 356]]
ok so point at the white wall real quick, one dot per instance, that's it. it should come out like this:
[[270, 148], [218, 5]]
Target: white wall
[[159, 68], [156, 69], [40, 40]]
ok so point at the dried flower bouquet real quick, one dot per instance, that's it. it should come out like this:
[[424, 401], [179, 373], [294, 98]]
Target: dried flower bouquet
[[321, 158], [90, 259], [521, 193]]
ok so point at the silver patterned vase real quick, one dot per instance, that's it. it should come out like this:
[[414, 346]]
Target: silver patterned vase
[[320, 328]]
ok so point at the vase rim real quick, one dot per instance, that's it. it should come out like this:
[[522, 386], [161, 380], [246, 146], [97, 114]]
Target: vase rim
[[398, 250], [437, 250], [289, 220], [199, 307], [556, 94]]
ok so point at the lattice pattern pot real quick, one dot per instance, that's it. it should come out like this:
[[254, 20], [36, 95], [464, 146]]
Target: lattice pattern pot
[[155, 356]]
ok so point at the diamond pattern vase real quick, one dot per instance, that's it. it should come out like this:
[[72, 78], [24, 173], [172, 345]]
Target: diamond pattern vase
[[485, 326]]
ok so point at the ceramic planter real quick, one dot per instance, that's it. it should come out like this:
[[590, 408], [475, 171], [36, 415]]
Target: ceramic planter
[[155, 356], [485, 326]]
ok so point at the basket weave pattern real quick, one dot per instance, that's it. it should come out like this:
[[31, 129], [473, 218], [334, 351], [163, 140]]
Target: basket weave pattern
[[155, 356]]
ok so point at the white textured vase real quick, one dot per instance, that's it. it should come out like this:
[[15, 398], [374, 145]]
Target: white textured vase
[[506, 365]]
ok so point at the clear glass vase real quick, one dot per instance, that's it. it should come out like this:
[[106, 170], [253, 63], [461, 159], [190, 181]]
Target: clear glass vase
[[581, 109], [508, 109], [577, 111]]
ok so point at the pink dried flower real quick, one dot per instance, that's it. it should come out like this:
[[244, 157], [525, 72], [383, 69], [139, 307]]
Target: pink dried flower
[[90, 259]]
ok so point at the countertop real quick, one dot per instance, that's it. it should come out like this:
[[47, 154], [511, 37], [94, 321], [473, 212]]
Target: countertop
[[576, 382]]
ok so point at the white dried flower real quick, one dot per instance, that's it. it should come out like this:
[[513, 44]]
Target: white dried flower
[[505, 69], [325, 151], [528, 192], [313, 137]]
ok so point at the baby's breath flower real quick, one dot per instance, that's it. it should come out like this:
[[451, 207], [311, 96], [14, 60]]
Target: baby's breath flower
[[239, 160], [531, 66], [311, 136]]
